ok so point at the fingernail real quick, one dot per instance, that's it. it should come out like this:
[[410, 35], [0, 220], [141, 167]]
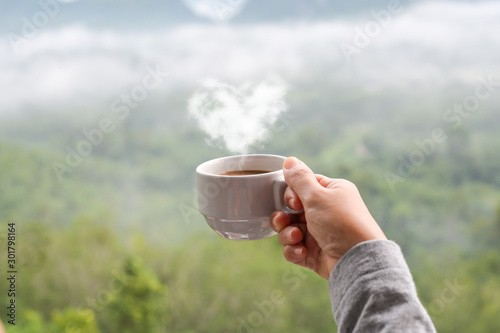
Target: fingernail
[[291, 162], [298, 251]]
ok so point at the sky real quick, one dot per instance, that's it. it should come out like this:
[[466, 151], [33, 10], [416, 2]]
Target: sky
[[76, 66]]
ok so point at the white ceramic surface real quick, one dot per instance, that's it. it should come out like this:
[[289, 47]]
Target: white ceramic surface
[[239, 207]]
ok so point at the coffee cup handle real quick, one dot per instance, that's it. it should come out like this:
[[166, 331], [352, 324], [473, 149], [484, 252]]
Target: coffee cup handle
[[279, 187]]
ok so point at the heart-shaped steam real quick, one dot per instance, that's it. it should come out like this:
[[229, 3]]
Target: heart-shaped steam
[[216, 10], [238, 117]]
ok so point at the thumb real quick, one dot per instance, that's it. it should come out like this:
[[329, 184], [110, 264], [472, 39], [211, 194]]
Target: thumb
[[300, 179]]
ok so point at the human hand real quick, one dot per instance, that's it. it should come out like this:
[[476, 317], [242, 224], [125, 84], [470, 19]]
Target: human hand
[[335, 219], [2, 329]]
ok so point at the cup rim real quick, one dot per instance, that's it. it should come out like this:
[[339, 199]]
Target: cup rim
[[212, 161]]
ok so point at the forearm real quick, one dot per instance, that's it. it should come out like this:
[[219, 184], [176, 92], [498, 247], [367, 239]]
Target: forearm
[[372, 290]]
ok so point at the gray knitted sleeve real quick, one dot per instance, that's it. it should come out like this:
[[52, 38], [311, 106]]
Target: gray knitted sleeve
[[372, 290]]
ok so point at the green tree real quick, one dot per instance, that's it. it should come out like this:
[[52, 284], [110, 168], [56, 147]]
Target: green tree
[[137, 307], [32, 322], [73, 320]]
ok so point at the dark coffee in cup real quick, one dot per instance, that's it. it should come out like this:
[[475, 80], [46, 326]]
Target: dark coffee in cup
[[243, 172]]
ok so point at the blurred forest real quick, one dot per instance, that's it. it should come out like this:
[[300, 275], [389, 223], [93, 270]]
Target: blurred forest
[[118, 246]]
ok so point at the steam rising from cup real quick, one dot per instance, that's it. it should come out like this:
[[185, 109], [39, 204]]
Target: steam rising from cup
[[238, 118]]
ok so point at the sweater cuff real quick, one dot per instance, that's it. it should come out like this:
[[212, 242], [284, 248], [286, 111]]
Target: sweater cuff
[[359, 263]]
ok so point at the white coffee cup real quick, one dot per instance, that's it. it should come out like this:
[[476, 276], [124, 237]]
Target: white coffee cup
[[239, 207]]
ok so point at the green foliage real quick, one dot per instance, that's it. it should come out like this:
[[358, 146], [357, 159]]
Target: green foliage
[[109, 248], [136, 306], [33, 322], [72, 320]]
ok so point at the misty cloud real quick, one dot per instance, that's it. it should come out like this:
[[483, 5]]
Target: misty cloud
[[216, 10], [425, 46]]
